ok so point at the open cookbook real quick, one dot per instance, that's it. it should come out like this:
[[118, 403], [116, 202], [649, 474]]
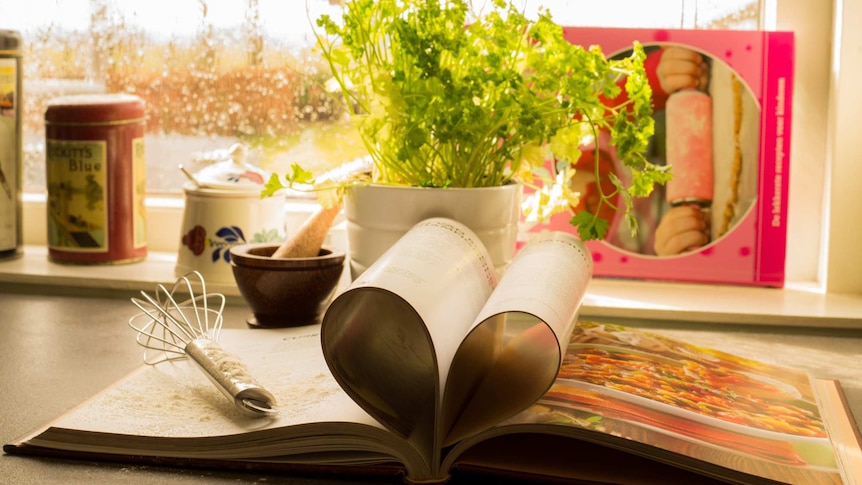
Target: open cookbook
[[429, 367]]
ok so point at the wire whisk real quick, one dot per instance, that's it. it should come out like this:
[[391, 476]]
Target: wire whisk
[[170, 328], [166, 326]]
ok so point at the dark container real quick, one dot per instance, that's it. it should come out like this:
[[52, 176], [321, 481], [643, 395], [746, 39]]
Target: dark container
[[285, 292], [96, 175], [11, 142]]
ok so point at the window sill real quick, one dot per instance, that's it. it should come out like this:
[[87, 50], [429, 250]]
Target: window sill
[[795, 306], [34, 269]]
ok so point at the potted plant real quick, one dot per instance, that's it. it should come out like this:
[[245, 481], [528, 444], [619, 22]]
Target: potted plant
[[447, 98]]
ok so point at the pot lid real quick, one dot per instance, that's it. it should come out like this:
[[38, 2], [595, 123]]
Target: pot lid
[[231, 174]]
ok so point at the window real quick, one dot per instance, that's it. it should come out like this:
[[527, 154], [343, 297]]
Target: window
[[211, 72], [219, 71], [214, 72]]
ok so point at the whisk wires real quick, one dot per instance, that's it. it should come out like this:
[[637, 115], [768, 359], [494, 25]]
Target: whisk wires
[[165, 325]]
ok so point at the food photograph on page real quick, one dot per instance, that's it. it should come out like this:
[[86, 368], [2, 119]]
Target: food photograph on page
[[746, 415]]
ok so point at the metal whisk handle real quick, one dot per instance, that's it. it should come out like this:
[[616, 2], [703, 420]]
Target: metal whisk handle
[[231, 377]]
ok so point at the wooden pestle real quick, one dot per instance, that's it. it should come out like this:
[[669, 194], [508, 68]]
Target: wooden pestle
[[308, 239]]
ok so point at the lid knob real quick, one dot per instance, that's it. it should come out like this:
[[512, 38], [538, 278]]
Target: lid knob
[[237, 153]]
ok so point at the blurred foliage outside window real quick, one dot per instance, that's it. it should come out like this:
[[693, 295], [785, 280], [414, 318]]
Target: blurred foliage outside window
[[216, 72]]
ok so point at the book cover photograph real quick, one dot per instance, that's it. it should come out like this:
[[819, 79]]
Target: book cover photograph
[[726, 139], [501, 379]]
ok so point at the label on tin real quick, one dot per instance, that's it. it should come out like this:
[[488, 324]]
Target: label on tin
[[139, 167], [77, 176], [9, 154]]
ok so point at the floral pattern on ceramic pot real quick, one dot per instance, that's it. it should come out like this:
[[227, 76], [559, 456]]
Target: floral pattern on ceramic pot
[[249, 175], [226, 237], [196, 240], [229, 236], [266, 235], [233, 236]]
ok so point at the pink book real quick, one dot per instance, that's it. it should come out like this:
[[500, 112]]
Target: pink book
[[746, 94]]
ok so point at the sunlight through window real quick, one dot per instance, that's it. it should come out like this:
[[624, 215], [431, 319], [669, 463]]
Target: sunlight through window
[[217, 72]]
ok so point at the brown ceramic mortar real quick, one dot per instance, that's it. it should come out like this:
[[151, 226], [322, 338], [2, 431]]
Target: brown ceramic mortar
[[285, 292]]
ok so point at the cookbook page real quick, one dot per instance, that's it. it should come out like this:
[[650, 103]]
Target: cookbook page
[[389, 339], [686, 402], [175, 399], [513, 352]]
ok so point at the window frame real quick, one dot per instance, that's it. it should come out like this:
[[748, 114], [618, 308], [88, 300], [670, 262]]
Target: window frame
[[822, 247]]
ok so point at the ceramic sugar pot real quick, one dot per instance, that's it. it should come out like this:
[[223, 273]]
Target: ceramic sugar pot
[[223, 208]]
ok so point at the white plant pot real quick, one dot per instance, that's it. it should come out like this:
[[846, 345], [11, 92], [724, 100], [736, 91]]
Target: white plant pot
[[378, 215]]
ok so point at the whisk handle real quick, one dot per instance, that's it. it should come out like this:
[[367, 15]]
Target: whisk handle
[[231, 377]]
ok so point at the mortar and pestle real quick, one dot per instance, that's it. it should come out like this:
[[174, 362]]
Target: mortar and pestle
[[291, 283]]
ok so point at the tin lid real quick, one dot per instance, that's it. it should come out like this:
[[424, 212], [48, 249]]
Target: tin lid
[[232, 174], [94, 108], [10, 40]]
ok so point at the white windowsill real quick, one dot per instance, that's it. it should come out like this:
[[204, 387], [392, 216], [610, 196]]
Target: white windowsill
[[797, 307]]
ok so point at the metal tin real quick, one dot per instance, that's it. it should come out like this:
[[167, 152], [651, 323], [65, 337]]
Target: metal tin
[[96, 177], [11, 158]]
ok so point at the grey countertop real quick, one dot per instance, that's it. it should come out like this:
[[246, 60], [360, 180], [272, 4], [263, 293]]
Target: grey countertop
[[57, 350]]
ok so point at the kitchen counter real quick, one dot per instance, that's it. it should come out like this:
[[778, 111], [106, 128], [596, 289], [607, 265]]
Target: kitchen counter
[[57, 350]]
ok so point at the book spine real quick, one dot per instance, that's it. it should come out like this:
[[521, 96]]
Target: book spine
[[778, 59]]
